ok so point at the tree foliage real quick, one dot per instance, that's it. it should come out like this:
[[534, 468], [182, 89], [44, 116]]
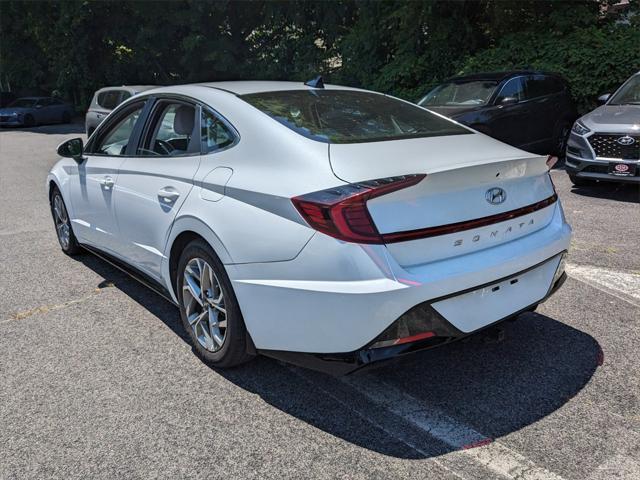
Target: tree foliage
[[400, 47]]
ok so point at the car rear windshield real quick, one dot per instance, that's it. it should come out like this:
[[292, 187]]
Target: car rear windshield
[[459, 94], [345, 116]]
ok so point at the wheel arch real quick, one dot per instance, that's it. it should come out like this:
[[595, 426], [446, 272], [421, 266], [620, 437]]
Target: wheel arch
[[185, 230]]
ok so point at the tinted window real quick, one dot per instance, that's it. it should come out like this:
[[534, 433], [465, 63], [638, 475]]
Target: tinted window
[[23, 103], [460, 93], [215, 134], [540, 86], [115, 139], [109, 99], [513, 88], [171, 131], [344, 116], [43, 102]]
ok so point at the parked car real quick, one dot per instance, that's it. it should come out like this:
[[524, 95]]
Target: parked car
[[527, 109], [105, 100], [6, 98], [31, 111], [328, 226], [605, 143]]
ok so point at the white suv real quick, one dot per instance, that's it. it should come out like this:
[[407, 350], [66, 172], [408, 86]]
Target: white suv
[[105, 100], [326, 226]]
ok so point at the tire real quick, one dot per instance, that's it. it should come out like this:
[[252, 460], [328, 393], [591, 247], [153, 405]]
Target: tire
[[217, 345], [561, 139], [64, 231], [29, 121], [66, 117], [580, 182]]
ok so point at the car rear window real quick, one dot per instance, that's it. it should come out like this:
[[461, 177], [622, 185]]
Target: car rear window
[[110, 99], [345, 116]]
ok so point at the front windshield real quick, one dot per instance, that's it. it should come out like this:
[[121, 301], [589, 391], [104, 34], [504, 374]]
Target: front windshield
[[23, 103], [629, 94], [460, 94], [348, 116]]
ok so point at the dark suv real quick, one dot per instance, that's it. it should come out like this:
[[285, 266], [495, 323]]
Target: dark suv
[[529, 110]]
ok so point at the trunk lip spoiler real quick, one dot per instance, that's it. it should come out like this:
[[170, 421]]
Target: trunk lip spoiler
[[438, 230]]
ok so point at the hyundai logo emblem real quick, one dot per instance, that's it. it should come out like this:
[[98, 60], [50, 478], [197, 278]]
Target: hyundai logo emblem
[[495, 196], [626, 140]]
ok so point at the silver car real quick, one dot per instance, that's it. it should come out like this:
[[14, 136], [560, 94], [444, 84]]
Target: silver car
[[605, 143], [105, 100]]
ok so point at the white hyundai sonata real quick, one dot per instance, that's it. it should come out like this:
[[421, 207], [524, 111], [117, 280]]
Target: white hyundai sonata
[[326, 226]]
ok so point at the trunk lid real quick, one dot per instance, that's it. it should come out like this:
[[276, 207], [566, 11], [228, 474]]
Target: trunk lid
[[461, 172]]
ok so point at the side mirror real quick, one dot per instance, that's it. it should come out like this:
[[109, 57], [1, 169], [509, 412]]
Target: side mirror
[[602, 99], [72, 149], [509, 101]]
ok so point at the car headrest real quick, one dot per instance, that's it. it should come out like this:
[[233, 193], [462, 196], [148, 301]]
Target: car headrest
[[183, 121]]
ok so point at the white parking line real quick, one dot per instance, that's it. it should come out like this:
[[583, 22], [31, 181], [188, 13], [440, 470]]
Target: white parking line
[[489, 453], [623, 285]]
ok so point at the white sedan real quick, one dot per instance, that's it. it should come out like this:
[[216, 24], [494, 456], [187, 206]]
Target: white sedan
[[327, 226]]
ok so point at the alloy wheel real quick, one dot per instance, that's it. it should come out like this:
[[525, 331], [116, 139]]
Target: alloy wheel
[[61, 219], [203, 300]]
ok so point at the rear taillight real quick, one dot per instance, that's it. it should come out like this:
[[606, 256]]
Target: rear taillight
[[341, 212]]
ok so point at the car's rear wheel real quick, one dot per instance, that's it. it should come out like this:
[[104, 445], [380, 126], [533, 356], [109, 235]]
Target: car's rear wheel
[[209, 309], [580, 182], [66, 117], [66, 237]]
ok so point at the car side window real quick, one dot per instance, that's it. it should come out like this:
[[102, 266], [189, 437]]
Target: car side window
[[537, 86], [115, 139], [171, 131], [215, 134], [513, 88]]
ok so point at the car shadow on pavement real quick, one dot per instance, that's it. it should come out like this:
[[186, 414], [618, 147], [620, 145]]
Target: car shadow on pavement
[[622, 192], [491, 387], [55, 129]]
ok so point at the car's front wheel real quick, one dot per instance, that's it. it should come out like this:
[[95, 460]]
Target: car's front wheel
[[208, 307], [66, 237]]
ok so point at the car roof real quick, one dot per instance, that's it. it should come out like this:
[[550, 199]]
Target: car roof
[[138, 88], [499, 76], [32, 98], [244, 87]]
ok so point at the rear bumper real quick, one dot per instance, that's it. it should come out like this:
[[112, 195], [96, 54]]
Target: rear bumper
[[338, 297], [350, 362]]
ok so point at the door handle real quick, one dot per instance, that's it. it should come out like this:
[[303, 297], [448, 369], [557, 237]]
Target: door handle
[[168, 194], [107, 183]]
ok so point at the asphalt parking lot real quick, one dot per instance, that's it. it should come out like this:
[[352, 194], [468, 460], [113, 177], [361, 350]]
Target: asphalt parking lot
[[97, 381]]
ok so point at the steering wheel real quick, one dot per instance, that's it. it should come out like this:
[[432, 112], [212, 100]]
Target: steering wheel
[[166, 146]]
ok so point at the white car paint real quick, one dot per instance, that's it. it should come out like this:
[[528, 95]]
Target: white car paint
[[301, 290]]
